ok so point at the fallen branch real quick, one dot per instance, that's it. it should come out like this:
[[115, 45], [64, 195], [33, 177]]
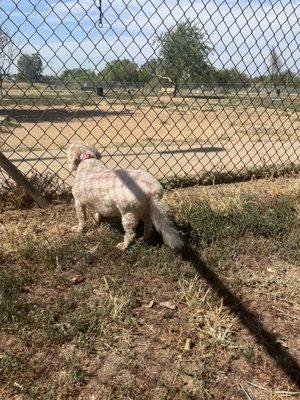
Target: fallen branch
[[283, 393], [280, 392], [245, 392], [21, 180]]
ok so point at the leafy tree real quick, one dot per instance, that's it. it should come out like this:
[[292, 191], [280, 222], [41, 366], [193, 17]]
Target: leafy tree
[[288, 78], [48, 78], [183, 54], [78, 76], [8, 51], [285, 78], [151, 69], [231, 78], [30, 67], [120, 71]]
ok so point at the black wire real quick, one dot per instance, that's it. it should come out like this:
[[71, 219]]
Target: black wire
[[100, 13]]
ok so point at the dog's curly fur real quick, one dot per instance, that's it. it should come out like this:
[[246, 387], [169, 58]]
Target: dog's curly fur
[[132, 194]]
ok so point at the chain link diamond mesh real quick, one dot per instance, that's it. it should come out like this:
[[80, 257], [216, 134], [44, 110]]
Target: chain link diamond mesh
[[175, 87]]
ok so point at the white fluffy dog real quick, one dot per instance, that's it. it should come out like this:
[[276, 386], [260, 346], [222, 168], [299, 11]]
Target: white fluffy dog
[[132, 194]]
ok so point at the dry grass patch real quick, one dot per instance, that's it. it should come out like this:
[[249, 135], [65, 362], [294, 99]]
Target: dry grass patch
[[80, 320]]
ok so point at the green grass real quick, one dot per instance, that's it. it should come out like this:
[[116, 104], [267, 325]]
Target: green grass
[[91, 325], [268, 219], [10, 122], [65, 253], [40, 94], [14, 307]]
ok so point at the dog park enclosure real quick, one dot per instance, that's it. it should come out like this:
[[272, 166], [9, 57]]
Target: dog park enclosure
[[177, 88], [182, 89]]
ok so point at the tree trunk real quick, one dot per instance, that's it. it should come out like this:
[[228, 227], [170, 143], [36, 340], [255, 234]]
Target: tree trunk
[[1, 87], [175, 89], [21, 180]]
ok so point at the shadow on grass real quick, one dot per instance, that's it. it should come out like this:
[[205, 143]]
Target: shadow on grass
[[288, 364], [251, 321]]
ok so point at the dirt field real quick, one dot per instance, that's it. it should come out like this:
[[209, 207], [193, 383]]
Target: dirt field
[[122, 120], [168, 137], [79, 320]]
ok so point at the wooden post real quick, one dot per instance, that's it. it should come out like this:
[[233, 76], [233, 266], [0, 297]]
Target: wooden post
[[21, 180]]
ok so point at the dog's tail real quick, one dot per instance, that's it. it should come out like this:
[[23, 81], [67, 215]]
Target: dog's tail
[[162, 223]]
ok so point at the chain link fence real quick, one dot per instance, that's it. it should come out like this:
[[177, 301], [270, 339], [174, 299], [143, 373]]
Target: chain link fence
[[175, 87]]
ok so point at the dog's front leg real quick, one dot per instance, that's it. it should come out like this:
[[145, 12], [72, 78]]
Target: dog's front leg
[[81, 215]]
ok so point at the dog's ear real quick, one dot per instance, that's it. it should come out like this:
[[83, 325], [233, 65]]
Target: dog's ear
[[92, 148], [73, 154]]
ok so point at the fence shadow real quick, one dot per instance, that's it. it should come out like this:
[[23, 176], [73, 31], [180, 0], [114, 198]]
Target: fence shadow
[[249, 319], [57, 114], [144, 151], [206, 149]]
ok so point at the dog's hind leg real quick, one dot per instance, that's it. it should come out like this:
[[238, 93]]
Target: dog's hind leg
[[129, 222], [81, 215], [97, 218], [148, 229]]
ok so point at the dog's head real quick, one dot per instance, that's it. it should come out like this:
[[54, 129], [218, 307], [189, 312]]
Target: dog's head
[[80, 151]]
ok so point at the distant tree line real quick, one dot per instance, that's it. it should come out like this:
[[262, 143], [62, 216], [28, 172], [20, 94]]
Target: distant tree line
[[282, 79], [182, 59], [8, 52]]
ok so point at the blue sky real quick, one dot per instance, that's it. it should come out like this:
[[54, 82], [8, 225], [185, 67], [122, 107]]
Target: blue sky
[[67, 34]]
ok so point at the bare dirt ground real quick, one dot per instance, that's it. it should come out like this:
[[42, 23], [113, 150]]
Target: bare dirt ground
[[163, 121], [79, 320], [182, 136]]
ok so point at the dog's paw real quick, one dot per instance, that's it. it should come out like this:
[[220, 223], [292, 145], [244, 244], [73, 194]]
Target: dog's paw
[[121, 246], [77, 229]]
